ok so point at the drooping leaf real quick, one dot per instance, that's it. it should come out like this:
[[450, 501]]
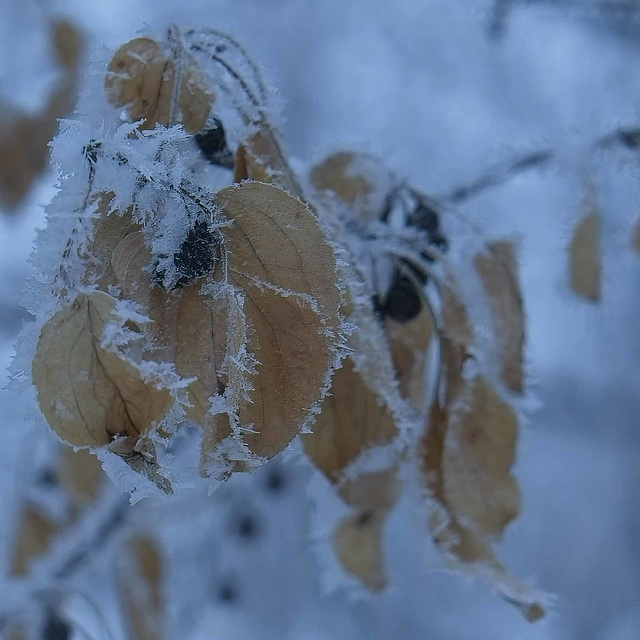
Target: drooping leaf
[[141, 78], [261, 158], [467, 452], [280, 261], [90, 394], [351, 422], [142, 589], [585, 266], [498, 271], [35, 534]]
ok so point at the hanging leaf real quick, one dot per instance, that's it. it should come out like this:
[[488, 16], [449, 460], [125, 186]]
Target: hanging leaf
[[280, 261], [33, 538], [24, 139], [498, 272], [141, 588], [351, 422], [90, 394], [141, 78], [468, 450], [585, 266], [261, 158]]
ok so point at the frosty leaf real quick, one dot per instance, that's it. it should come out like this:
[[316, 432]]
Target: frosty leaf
[[142, 589], [333, 174], [409, 344], [467, 454], [141, 78], [358, 542], [497, 270], [584, 258], [189, 328], [359, 180], [479, 450], [34, 536], [261, 158], [87, 393], [281, 261], [352, 420]]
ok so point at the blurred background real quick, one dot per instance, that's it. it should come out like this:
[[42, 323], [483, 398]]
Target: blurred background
[[446, 93]]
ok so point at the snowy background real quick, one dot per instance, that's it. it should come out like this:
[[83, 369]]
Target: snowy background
[[444, 91]]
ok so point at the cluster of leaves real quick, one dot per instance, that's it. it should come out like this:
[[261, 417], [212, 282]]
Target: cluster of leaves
[[192, 286]]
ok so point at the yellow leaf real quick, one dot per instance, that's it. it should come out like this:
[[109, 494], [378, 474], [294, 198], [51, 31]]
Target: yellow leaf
[[497, 270], [87, 393], [141, 78], [584, 258]]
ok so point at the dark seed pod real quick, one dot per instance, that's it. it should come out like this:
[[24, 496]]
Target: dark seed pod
[[426, 218], [195, 258], [213, 144], [403, 300]]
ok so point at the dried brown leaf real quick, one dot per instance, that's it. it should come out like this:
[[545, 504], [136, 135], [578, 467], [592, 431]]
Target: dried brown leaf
[[34, 536], [141, 78], [585, 266], [498, 271], [142, 590], [358, 543], [333, 174], [467, 454], [352, 420], [261, 158], [280, 259], [89, 394], [82, 476]]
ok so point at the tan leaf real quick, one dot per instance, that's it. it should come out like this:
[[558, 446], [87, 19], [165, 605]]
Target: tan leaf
[[189, 328], [280, 259], [358, 542], [352, 420], [584, 258], [479, 450], [498, 271], [82, 476], [141, 589], [24, 139], [89, 394], [261, 158], [141, 78], [409, 344], [34, 536], [466, 457]]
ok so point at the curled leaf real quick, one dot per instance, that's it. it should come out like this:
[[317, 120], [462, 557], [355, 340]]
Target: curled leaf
[[90, 394], [141, 77], [35, 534], [497, 270], [409, 344]]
